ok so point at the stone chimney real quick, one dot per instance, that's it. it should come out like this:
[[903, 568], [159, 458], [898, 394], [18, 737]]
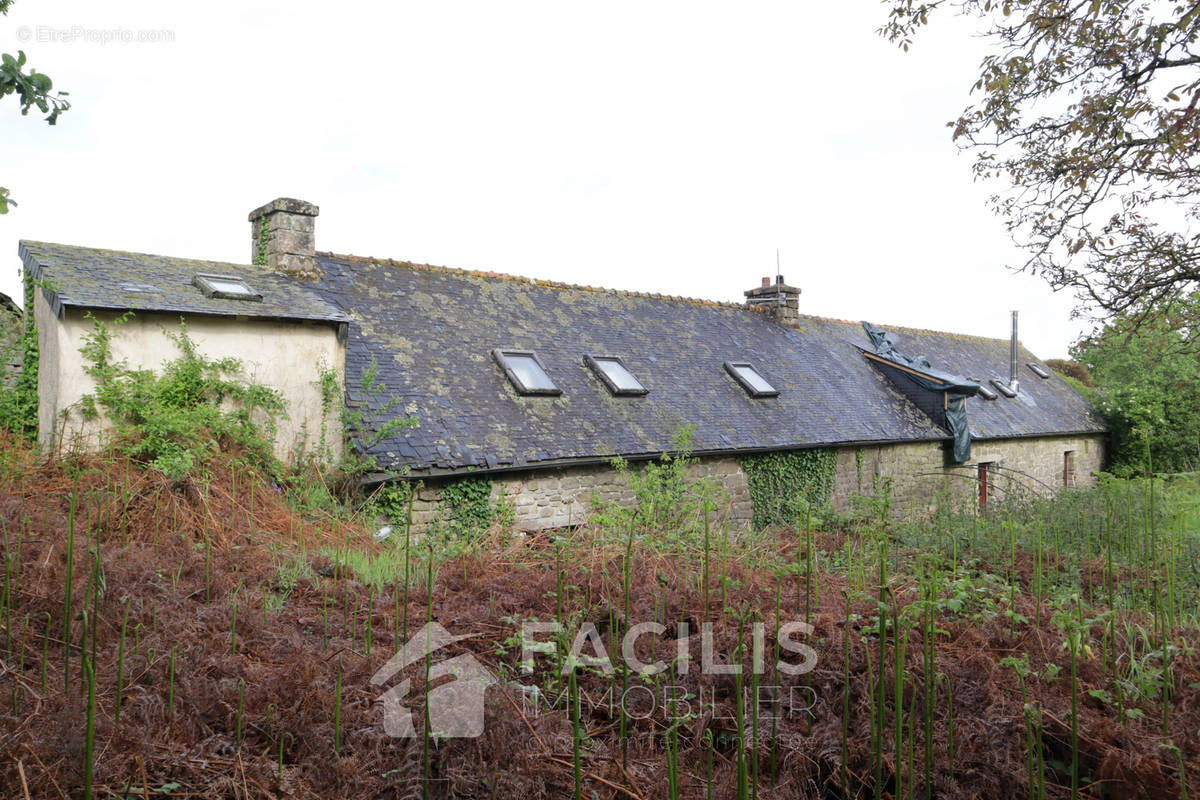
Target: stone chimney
[[283, 237], [778, 299]]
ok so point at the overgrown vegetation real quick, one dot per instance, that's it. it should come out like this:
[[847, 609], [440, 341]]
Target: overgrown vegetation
[[1148, 391], [665, 496], [470, 507], [19, 399], [1045, 645], [179, 419], [788, 485]]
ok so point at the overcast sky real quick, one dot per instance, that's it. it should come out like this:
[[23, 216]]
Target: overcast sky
[[656, 146]]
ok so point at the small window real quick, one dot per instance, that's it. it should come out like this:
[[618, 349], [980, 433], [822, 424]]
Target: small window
[[612, 371], [225, 287], [1003, 387], [754, 384], [526, 371], [984, 392], [1038, 370], [1069, 468]]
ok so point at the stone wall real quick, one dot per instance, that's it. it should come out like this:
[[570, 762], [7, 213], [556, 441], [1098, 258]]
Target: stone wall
[[919, 473], [555, 498]]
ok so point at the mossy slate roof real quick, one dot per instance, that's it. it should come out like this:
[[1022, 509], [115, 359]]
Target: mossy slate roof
[[431, 331], [88, 277]]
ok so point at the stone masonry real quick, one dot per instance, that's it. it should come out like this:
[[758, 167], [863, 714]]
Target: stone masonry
[[561, 497], [288, 243], [918, 472]]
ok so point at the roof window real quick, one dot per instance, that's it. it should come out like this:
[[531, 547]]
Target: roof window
[[984, 392], [225, 287], [1003, 387], [1038, 370], [612, 371], [750, 379], [526, 372]]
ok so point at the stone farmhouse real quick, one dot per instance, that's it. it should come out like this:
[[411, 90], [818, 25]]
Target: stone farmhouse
[[538, 384]]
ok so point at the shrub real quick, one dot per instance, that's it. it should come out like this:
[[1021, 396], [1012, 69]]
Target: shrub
[[177, 420]]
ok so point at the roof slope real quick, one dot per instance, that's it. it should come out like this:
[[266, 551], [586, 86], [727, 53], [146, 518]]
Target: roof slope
[[431, 332], [1043, 405], [87, 277]]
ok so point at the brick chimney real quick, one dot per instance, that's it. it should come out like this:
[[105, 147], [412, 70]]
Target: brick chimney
[[778, 299], [283, 237]]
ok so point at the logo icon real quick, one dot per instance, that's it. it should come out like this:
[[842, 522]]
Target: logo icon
[[455, 706]]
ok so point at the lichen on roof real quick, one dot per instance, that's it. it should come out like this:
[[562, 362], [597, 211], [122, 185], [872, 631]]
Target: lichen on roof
[[88, 277], [431, 329]]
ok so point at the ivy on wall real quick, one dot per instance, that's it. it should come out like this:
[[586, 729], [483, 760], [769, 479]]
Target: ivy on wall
[[18, 399], [784, 484], [263, 246], [468, 501]]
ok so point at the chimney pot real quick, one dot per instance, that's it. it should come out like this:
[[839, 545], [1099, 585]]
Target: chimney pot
[[782, 301], [283, 237]]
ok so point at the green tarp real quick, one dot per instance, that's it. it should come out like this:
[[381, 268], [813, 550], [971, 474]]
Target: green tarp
[[919, 371]]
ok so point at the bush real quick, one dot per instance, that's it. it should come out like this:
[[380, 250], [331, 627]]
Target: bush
[[177, 420]]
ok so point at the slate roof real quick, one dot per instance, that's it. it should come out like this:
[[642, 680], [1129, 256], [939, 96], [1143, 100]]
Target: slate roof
[[431, 330], [87, 277], [1042, 406]]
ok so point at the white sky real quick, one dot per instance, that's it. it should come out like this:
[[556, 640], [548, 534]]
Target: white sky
[[656, 146]]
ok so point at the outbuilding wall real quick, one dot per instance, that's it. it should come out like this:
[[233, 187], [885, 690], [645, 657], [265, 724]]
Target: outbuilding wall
[[287, 356], [918, 473]]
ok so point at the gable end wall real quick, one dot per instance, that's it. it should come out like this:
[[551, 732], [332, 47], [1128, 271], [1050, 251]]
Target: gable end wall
[[285, 355]]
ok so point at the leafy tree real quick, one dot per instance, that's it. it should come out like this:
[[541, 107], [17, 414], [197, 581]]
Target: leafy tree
[[1089, 109], [1148, 383], [32, 88]]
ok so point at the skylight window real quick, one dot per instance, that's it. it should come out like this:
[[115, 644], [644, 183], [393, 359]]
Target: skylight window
[[1038, 370], [754, 383], [1003, 387], [526, 372], [984, 392], [225, 287], [612, 371]]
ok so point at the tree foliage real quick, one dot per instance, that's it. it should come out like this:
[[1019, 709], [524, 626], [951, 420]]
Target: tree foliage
[[1088, 108], [1148, 383], [33, 90]]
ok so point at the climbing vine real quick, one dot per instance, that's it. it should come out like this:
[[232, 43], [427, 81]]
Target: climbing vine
[[264, 243], [784, 484], [391, 500], [18, 399], [468, 501], [176, 420]]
